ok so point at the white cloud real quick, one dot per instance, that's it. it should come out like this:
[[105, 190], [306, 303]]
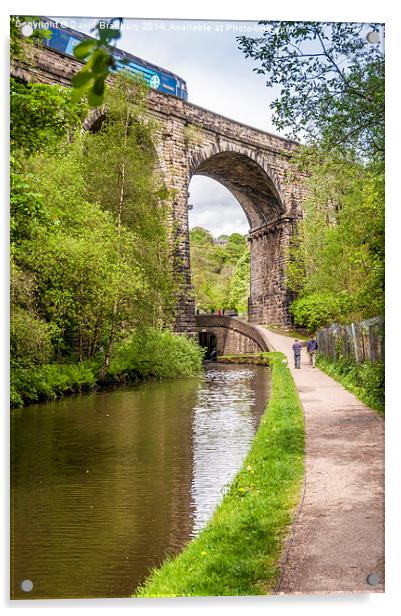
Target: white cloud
[[218, 75], [215, 208]]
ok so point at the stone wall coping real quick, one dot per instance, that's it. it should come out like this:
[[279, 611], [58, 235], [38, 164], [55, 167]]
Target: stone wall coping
[[294, 144]]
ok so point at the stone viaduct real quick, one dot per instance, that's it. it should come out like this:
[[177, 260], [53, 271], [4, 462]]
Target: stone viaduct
[[254, 165]]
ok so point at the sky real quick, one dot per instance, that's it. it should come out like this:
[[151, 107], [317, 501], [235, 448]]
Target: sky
[[219, 78]]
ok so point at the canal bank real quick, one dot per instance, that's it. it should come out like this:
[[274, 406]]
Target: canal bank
[[145, 354], [238, 553]]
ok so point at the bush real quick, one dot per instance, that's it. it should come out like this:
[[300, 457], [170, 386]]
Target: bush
[[152, 352], [149, 352], [39, 383], [319, 309], [29, 338]]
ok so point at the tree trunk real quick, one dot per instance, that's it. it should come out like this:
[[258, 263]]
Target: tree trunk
[[107, 357], [120, 207]]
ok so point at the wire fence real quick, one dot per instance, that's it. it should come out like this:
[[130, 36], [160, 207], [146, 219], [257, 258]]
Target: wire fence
[[363, 341]]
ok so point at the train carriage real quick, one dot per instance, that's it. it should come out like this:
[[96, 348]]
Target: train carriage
[[64, 40]]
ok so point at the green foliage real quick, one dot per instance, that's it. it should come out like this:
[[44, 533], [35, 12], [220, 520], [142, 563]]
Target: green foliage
[[73, 256], [49, 381], [30, 338], [238, 552], [145, 353], [319, 309], [235, 248], [331, 82], [152, 352], [199, 235], [239, 287], [366, 380], [99, 62], [120, 173], [337, 258], [26, 204], [90, 253], [41, 116], [220, 274]]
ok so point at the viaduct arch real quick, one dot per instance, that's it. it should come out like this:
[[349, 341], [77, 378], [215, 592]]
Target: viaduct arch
[[254, 165]]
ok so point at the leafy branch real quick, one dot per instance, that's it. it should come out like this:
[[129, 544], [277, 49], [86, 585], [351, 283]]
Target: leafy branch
[[99, 62]]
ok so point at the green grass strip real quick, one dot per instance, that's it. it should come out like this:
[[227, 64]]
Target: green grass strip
[[238, 552], [365, 381]]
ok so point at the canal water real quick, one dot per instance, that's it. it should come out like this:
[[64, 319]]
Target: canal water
[[105, 486]]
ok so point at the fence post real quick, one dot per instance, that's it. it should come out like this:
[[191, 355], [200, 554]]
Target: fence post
[[359, 341]]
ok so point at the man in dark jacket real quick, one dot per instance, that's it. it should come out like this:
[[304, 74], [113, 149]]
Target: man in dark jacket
[[311, 346], [296, 347]]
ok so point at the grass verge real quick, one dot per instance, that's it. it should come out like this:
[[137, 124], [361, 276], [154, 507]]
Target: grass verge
[[364, 380], [238, 552]]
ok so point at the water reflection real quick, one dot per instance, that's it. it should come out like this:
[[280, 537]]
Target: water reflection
[[104, 486], [226, 416]]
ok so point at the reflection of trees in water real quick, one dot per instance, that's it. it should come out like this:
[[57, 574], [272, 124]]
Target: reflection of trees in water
[[102, 488]]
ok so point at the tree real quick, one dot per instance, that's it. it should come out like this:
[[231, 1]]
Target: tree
[[30, 336], [337, 258], [89, 227], [41, 116], [120, 171], [234, 248], [71, 255], [331, 82], [240, 284], [199, 235]]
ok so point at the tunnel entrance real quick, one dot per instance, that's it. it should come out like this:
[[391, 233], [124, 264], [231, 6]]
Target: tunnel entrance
[[208, 341]]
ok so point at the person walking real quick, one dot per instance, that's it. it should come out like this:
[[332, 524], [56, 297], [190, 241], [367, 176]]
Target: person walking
[[296, 347], [311, 347]]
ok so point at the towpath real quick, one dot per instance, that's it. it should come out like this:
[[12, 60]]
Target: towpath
[[337, 539]]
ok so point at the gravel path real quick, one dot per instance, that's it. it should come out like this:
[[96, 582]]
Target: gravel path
[[338, 538]]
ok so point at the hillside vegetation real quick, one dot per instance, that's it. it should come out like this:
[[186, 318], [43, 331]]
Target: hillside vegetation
[[220, 274]]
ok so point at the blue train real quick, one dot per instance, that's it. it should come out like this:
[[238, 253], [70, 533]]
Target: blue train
[[64, 40]]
